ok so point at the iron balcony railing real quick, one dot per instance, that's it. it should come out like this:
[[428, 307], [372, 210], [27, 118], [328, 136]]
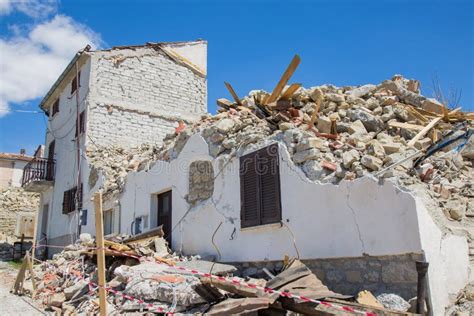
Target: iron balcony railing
[[38, 169]]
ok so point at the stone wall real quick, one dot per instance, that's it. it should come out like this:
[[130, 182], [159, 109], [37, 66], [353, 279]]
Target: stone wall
[[138, 96], [201, 181], [378, 274], [12, 201], [111, 126]]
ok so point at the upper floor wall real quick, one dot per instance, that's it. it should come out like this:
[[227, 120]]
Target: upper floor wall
[[138, 95]]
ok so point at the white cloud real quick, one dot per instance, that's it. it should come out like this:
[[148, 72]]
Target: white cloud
[[32, 8], [30, 63]]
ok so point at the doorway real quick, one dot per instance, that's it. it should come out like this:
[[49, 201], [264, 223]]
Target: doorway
[[164, 214]]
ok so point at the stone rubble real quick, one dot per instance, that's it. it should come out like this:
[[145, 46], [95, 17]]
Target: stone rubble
[[12, 201], [156, 280], [359, 131]]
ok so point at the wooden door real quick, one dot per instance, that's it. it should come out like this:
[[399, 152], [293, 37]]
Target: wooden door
[[164, 214]]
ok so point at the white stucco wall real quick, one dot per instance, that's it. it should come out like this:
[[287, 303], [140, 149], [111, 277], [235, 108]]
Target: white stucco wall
[[11, 172], [351, 219], [447, 255], [17, 173], [147, 92], [62, 128]]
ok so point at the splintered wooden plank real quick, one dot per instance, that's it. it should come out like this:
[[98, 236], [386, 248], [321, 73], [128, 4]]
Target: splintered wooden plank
[[284, 79], [232, 92], [427, 128], [224, 103], [290, 91], [406, 126]]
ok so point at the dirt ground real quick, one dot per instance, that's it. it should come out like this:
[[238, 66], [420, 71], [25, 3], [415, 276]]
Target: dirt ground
[[11, 304]]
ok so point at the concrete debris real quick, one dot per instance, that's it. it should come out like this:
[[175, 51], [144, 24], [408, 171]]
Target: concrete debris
[[393, 301], [114, 163], [332, 133], [171, 282]]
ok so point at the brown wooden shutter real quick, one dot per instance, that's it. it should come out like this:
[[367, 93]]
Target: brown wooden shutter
[[66, 202], [82, 122], [260, 187], [268, 167], [55, 107], [249, 191], [79, 197]]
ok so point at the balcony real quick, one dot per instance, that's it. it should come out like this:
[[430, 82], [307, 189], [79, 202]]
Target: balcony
[[38, 175]]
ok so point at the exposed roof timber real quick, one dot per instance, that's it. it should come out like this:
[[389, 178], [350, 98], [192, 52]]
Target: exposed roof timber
[[162, 46], [10, 156]]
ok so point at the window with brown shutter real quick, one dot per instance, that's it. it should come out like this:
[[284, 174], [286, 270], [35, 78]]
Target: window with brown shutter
[[260, 187], [69, 199], [55, 107], [82, 117], [75, 82]]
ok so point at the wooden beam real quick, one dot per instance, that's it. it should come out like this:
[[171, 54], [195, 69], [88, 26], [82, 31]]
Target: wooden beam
[[30, 269], [232, 92], [406, 126], [20, 279], [99, 235], [224, 103], [290, 91], [284, 79], [427, 128]]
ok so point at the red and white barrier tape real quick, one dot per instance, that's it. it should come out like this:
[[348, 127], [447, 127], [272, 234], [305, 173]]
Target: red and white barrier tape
[[246, 284], [95, 286]]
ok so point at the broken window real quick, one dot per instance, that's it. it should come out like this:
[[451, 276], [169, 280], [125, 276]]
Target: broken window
[[69, 200], [75, 81], [260, 187], [55, 107]]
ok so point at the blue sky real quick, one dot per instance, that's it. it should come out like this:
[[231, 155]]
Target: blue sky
[[250, 44]]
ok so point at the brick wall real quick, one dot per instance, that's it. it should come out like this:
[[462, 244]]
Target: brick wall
[[137, 96], [126, 128]]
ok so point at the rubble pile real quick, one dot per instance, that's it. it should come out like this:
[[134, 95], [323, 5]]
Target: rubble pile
[[16, 199], [343, 133], [115, 162], [170, 283]]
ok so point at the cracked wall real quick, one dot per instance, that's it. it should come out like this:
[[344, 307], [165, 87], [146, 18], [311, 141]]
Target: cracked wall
[[138, 96], [355, 221]]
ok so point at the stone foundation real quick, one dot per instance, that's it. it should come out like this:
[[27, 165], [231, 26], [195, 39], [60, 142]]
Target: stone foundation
[[379, 274]]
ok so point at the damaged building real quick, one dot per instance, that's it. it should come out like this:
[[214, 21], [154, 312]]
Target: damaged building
[[358, 183]]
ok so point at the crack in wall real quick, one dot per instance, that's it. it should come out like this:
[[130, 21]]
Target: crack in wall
[[355, 220]]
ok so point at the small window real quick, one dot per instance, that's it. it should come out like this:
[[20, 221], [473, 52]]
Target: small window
[[260, 187], [69, 200], [55, 107], [75, 81], [82, 128]]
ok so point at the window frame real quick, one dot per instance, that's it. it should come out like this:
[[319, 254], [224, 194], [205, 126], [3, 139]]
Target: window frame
[[69, 200], [76, 83], [256, 209], [55, 108], [82, 124]]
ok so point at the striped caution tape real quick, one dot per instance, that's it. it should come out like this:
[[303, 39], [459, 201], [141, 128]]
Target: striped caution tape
[[243, 283]]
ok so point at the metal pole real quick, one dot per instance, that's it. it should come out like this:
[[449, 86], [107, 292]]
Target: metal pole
[[421, 269]]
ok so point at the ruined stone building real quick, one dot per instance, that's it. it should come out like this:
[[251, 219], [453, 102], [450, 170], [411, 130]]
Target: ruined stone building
[[124, 96], [17, 206], [258, 181]]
